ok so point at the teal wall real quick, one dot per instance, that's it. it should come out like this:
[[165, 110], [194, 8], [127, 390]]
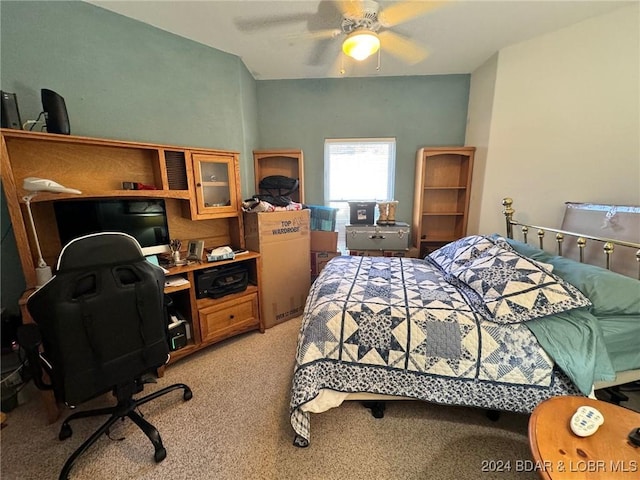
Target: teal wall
[[126, 80], [121, 78], [417, 111]]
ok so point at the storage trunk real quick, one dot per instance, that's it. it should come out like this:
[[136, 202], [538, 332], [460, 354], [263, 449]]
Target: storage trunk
[[378, 237]]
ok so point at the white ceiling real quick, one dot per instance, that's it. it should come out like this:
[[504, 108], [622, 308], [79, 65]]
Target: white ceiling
[[459, 35]]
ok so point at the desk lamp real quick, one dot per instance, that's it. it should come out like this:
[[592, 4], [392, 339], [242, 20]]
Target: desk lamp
[[36, 185]]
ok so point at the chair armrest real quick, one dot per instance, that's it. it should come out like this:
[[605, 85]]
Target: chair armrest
[[28, 336]]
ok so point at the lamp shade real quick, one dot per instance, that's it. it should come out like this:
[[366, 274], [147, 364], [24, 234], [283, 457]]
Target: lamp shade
[[361, 44]]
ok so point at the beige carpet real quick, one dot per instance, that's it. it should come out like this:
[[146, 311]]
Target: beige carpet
[[237, 427]]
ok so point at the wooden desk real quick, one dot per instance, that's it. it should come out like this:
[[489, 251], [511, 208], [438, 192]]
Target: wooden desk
[[560, 454]]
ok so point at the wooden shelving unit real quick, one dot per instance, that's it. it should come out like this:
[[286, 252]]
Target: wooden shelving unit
[[212, 320], [442, 192], [198, 206], [280, 162]]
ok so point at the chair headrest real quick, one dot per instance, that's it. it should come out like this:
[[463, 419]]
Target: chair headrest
[[99, 248]]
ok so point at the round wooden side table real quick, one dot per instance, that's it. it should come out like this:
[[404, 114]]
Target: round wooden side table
[[558, 453]]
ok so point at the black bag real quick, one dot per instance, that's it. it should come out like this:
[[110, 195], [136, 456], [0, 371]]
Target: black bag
[[275, 200], [278, 185]]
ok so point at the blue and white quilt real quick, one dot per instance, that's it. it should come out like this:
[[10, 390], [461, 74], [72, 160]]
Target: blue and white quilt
[[447, 329]]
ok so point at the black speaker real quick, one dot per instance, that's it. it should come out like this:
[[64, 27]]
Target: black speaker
[[55, 112], [10, 113]]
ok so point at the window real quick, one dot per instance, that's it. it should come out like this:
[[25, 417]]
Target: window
[[357, 169]]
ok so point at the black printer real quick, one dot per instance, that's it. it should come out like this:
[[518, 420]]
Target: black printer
[[217, 282]]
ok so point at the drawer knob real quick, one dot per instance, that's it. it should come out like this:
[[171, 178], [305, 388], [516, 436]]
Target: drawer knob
[[231, 317]]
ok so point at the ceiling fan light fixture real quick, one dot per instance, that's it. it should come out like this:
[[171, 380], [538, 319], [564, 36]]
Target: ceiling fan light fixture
[[361, 44]]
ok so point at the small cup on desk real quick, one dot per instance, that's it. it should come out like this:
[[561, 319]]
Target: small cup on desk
[[175, 252]]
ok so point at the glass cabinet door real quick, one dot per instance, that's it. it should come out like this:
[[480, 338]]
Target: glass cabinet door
[[215, 184]]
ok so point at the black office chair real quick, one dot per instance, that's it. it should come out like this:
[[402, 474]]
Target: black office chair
[[103, 327]]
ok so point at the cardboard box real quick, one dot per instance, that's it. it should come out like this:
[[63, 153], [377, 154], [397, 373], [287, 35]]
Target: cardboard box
[[324, 241], [618, 222], [319, 260], [283, 240]]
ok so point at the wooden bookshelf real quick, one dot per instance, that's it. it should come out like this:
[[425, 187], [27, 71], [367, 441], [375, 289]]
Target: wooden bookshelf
[[442, 192]]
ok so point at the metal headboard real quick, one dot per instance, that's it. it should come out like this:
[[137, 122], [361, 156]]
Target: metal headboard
[[581, 239]]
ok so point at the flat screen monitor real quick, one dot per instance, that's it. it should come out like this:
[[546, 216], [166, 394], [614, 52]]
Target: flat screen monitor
[[143, 219]]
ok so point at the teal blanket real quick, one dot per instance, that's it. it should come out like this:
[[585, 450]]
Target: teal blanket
[[575, 342]]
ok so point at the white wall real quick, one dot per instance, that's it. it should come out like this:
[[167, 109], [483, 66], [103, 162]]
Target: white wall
[[481, 92], [564, 124]]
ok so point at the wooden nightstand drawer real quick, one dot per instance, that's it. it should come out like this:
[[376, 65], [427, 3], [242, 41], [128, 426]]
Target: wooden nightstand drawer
[[228, 318]]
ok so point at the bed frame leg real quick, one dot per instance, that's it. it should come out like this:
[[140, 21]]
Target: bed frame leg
[[493, 415], [300, 442], [615, 395], [377, 408]]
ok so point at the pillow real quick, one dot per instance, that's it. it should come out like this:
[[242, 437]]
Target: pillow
[[527, 250], [453, 256], [609, 292], [515, 289]]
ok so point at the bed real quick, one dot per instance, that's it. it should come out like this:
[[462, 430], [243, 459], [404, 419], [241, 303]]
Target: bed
[[486, 321]]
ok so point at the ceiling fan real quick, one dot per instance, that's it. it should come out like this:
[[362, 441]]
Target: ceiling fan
[[363, 25]]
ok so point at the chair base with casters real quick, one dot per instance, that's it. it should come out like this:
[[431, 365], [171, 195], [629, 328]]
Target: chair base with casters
[[100, 325], [126, 407]]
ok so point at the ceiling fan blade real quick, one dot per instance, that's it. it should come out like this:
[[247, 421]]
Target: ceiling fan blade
[[263, 23], [350, 8], [318, 35], [402, 47], [404, 11]]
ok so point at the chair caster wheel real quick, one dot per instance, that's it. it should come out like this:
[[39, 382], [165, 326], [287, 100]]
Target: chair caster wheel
[[493, 415], [160, 455], [65, 432], [377, 408], [188, 395]]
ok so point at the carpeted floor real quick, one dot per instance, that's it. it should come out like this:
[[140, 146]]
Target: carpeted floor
[[237, 427]]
